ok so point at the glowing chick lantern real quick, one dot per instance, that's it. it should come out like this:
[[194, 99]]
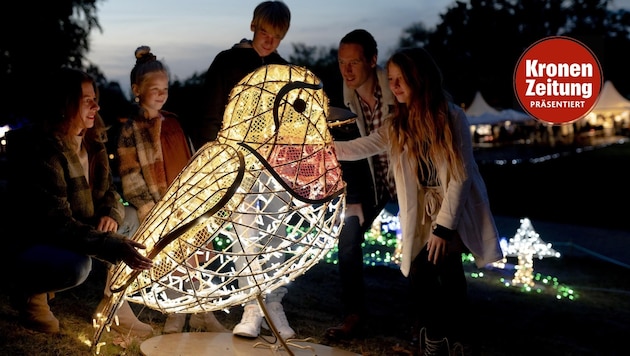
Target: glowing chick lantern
[[251, 211]]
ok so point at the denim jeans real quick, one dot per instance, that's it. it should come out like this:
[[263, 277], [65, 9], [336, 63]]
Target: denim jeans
[[45, 268], [131, 223]]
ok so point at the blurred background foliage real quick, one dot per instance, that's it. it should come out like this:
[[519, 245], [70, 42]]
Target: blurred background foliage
[[477, 44]]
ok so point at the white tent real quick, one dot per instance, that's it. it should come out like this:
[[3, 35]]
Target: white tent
[[486, 118], [611, 112], [515, 115], [610, 101], [480, 113], [502, 116], [479, 106]]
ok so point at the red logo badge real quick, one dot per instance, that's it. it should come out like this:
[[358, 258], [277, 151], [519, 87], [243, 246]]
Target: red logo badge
[[557, 80]]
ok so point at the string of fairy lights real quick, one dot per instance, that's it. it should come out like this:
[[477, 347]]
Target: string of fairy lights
[[382, 248]]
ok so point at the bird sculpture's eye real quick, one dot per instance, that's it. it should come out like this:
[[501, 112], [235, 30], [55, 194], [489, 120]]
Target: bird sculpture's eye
[[299, 105]]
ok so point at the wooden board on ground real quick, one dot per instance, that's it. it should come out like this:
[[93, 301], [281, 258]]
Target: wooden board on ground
[[226, 344]]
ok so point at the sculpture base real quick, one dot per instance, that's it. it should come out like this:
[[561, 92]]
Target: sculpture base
[[226, 344]]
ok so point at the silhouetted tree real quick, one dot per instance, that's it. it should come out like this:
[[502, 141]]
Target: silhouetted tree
[[607, 34], [322, 62], [186, 100], [478, 43], [35, 37], [415, 35]]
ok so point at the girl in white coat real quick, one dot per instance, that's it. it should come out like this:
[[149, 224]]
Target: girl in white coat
[[444, 208]]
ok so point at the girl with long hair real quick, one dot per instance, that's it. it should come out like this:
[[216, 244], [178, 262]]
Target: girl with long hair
[[444, 207]]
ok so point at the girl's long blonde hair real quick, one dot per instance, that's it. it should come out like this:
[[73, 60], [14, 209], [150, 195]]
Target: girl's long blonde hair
[[424, 128]]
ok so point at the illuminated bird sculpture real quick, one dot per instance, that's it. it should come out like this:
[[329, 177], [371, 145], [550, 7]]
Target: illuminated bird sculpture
[[251, 211]]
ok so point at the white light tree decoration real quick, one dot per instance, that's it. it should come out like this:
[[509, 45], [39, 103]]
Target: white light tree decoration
[[525, 245], [250, 212], [385, 223]]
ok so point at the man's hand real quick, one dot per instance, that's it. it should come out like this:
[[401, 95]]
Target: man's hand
[[355, 210]]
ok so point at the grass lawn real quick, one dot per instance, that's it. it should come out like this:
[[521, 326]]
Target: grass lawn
[[586, 189], [590, 188]]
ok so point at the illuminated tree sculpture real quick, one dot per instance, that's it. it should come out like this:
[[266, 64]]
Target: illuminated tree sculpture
[[250, 212], [525, 245]]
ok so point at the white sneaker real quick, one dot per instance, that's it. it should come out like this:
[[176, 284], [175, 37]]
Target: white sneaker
[[250, 322], [279, 320]]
